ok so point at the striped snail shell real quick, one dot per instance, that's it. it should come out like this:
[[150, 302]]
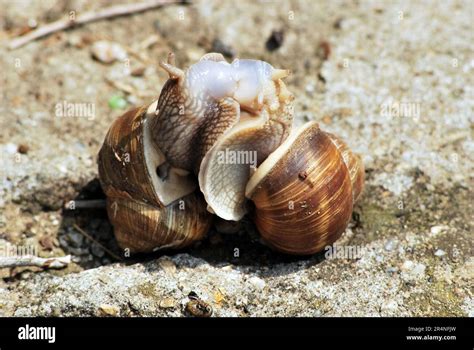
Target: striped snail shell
[[150, 204], [304, 191]]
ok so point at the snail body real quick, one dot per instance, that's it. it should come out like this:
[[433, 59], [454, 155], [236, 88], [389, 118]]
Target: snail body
[[161, 165], [215, 106]]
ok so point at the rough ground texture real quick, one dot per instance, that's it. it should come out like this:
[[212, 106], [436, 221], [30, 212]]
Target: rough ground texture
[[354, 64]]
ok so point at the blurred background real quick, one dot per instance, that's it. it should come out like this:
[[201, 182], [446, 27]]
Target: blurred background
[[392, 78]]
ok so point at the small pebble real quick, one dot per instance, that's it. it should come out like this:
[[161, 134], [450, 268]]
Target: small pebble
[[23, 149], [79, 252], [138, 71], [97, 250], [10, 148], [390, 245], [167, 265], [309, 88], [218, 297], [456, 254], [440, 252], [435, 230], [321, 78], [63, 242], [390, 305], [109, 310], [257, 282], [56, 312], [227, 268], [391, 270], [108, 52], [241, 300], [75, 40], [75, 239], [275, 40], [412, 271], [338, 23], [167, 303], [32, 23], [198, 308], [47, 242], [106, 261], [324, 50], [327, 119], [132, 99], [407, 265]]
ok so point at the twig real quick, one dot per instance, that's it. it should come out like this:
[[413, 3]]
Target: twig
[[85, 204], [148, 42], [121, 86], [92, 16], [31, 260], [454, 137], [88, 236]]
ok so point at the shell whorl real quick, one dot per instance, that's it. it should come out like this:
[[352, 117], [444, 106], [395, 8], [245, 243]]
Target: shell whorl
[[303, 192], [147, 212], [141, 227]]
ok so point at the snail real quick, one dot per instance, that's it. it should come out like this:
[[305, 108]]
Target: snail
[[146, 210], [166, 171], [304, 191]]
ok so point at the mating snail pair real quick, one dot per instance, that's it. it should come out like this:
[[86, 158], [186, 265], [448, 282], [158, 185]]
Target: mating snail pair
[[166, 170]]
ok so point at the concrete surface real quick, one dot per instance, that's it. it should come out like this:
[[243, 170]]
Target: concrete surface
[[392, 78]]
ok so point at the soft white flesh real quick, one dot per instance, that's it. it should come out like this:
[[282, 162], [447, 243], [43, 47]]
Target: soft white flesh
[[243, 80], [250, 83]]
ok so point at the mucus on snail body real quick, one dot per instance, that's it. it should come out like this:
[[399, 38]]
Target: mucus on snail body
[[160, 165]]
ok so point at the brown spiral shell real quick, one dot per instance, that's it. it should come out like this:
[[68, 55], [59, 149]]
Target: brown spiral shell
[[147, 213], [303, 193]]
